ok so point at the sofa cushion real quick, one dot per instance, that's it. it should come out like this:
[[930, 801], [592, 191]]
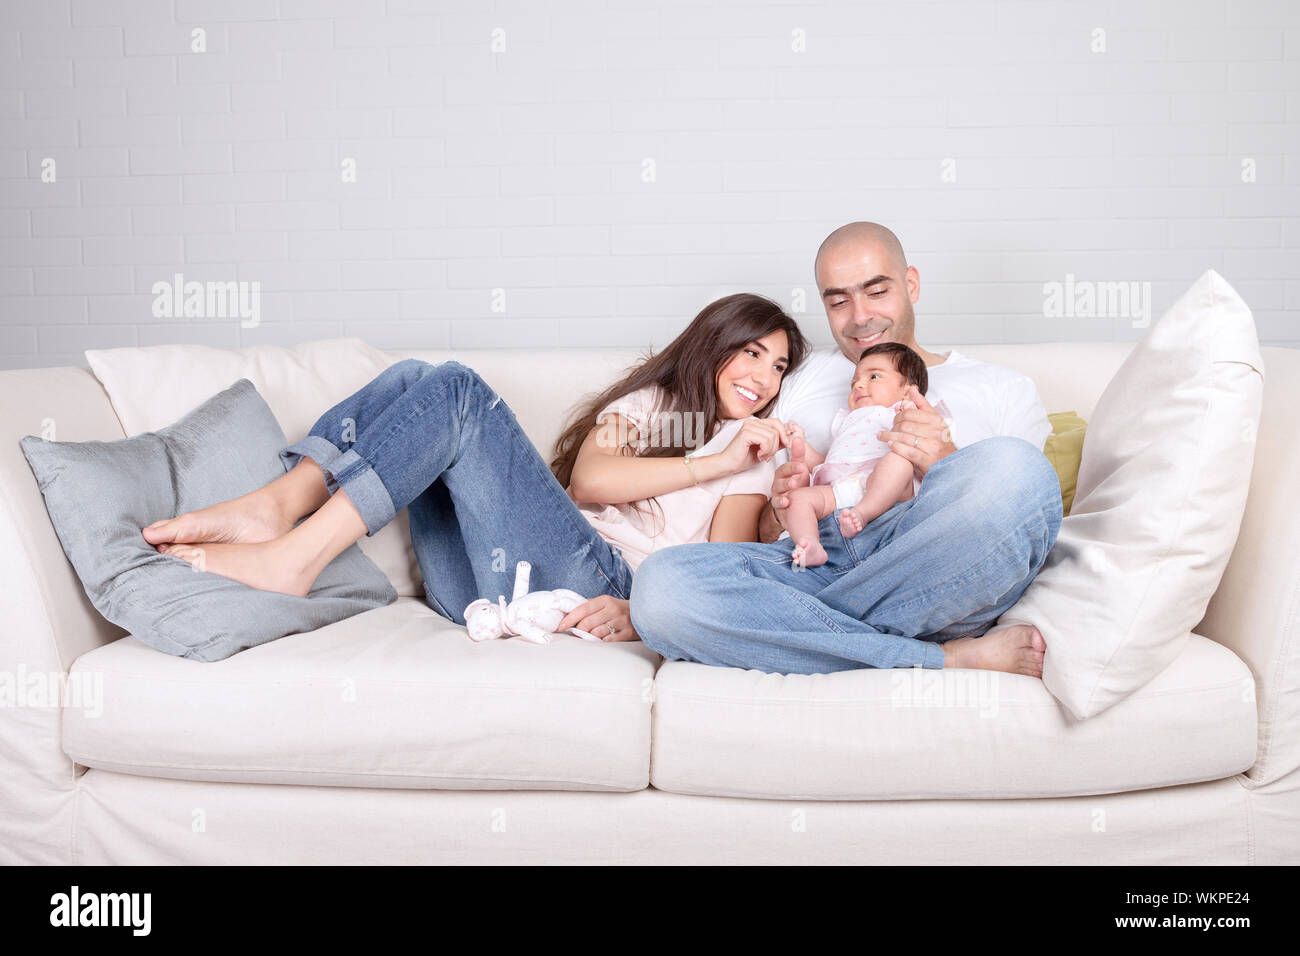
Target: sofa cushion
[[1162, 487], [396, 697], [1064, 449], [154, 385], [101, 494], [933, 734], [148, 384], [541, 386]]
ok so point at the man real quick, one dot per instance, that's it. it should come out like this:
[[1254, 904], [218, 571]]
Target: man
[[921, 585]]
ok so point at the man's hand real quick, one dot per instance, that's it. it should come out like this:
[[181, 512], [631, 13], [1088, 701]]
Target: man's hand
[[920, 434]]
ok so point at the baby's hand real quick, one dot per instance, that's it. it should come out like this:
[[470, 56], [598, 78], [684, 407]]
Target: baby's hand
[[793, 430]]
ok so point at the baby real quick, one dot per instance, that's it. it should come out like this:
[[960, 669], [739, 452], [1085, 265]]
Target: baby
[[859, 474]]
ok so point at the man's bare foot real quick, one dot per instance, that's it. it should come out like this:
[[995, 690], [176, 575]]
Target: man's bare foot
[[263, 565], [850, 523], [809, 553], [245, 520], [1013, 648]]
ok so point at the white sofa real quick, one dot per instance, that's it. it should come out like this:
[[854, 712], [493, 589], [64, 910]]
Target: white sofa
[[391, 738]]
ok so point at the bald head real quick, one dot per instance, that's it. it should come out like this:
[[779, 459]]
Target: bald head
[[854, 235], [868, 289]]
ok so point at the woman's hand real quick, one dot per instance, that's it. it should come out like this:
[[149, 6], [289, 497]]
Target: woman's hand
[[593, 617], [757, 440]]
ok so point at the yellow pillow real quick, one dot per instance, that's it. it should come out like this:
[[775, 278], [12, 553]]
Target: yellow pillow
[[1064, 449]]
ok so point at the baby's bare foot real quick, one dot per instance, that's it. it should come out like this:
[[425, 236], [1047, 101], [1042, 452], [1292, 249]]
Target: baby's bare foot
[[263, 565], [809, 553], [246, 520], [1014, 649], [850, 523]]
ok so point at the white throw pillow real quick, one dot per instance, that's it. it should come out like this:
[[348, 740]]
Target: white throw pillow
[[1162, 488], [153, 386]]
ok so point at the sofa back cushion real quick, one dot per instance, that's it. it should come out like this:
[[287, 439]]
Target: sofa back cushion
[[153, 386], [540, 386]]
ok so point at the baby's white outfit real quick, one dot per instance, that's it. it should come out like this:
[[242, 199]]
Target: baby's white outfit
[[855, 449]]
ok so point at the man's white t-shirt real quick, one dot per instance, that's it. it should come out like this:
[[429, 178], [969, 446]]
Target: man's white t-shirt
[[984, 399]]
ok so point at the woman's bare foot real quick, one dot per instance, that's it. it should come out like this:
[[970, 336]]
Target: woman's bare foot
[[850, 522], [809, 553], [289, 563], [1014, 649], [249, 519], [263, 565]]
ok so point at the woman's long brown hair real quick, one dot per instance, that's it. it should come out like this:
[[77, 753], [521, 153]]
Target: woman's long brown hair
[[687, 371]]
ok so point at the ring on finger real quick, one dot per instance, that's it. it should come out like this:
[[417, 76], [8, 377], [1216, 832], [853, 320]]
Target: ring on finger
[[612, 629]]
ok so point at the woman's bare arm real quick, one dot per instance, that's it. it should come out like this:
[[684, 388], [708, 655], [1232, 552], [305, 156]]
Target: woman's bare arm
[[608, 473], [736, 518]]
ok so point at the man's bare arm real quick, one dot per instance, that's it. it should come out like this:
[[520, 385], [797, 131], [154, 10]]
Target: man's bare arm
[[769, 526]]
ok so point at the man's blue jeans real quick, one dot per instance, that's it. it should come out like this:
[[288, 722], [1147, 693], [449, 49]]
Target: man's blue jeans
[[945, 564], [438, 441]]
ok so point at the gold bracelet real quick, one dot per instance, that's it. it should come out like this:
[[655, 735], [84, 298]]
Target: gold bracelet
[[690, 470]]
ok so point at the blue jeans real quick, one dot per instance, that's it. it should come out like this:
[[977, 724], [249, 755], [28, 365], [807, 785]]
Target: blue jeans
[[944, 564], [438, 441]]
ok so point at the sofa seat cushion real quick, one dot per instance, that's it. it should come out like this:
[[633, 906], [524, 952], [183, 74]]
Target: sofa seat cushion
[[394, 697], [922, 734]]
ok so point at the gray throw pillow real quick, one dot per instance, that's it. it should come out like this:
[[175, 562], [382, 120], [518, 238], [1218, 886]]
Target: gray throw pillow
[[101, 494]]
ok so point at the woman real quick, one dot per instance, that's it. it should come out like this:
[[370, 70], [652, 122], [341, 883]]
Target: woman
[[436, 440]]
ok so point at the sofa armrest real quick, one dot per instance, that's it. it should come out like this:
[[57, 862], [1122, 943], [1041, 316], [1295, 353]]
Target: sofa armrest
[[48, 619], [1256, 610]]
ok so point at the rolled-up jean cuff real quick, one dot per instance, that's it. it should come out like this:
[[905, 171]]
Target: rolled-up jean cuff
[[365, 490], [320, 450], [933, 656]]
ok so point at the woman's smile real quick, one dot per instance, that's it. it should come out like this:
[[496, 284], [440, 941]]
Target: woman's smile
[[741, 399]]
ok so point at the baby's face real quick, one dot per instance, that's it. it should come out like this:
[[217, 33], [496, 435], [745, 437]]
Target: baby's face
[[876, 382]]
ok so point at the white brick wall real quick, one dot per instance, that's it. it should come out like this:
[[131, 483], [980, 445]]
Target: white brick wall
[[523, 169]]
